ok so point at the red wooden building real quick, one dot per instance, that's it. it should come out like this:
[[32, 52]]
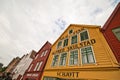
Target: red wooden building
[[35, 70], [111, 31]]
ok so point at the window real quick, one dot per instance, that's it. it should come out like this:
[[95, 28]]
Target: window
[[74, 39], [73, 57], [30, 67], [44, 53], [36, 66], [70, 31], [116, 32], [84, 35], [36, 56], [59, 44], [87, 55], [55, 60], [63, 58], [65, 42], [40, 63]]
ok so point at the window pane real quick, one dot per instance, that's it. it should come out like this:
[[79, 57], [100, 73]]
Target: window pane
[[116, 32], [90, 58], [73, 57], [36, 56], [84, 35], [36, 66], [65, 42], [59, 44], [42, 54], [63, 59], [74, 39], [40, 64], [45, 52], [84, 59], [55, 60], [70, 31], [87, 55]]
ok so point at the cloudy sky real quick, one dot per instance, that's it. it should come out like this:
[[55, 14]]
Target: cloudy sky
[[27, 24]]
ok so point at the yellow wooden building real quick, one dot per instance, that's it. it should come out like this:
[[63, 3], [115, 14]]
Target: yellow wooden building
[[81, 53]]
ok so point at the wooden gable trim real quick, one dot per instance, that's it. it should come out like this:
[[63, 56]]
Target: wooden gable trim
[[111, 17]]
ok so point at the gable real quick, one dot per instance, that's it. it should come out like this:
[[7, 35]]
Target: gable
[[76, 28]]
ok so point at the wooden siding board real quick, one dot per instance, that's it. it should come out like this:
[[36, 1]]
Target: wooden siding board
[[113, 22]]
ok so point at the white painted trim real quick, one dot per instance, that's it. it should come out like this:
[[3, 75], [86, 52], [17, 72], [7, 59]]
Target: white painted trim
[[63, 42], [60, 58], [93, 55], [71, 39], [53, 58], [69, 58], [82, 32], [57, 44]]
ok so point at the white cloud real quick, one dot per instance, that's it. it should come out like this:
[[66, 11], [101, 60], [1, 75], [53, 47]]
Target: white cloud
[[28, 24]]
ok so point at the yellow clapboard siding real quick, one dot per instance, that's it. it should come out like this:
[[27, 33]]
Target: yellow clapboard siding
[[102, 53]]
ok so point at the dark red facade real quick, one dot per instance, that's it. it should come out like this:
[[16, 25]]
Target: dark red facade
[[112, 23], [35, 70]]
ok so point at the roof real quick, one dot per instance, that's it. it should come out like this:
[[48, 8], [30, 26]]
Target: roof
[[111, 17]]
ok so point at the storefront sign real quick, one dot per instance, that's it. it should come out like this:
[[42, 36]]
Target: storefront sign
[[68, 74], [76, 46]]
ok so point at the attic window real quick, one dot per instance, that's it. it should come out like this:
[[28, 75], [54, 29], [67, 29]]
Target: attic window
[[116, 32], [59, 44], [70, 31]]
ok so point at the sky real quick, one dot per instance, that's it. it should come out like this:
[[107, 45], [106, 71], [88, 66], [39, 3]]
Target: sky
[[26, 25]]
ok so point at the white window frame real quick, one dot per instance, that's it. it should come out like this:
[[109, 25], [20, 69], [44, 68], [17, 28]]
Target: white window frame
[[45, 52], [65, 58], [69, 57], [36, 56], [71, 39], [39, 66], [82, 32], [63, 42], [60, 46], [57, 61], [114, 30], [42, 54], [36, 66], [93, 56]]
